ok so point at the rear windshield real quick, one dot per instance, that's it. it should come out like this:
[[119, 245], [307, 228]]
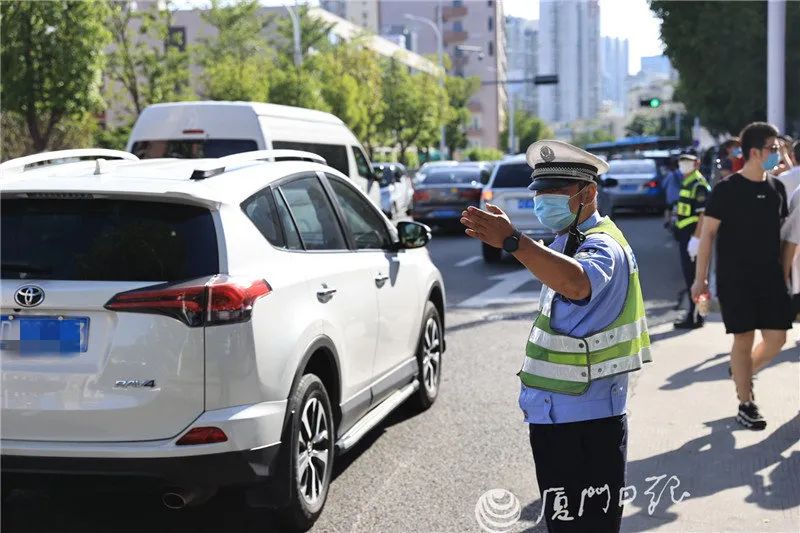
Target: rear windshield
[[192, 148], [632, 167], [440, 176], [106, 240], [514, 176], [335, 155]]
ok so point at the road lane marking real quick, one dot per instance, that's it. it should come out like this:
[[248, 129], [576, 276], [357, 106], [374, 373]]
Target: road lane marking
[[501, 292], [468, 261]]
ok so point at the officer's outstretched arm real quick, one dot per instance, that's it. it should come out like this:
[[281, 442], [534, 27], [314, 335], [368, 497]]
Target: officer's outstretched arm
[[561, 273]]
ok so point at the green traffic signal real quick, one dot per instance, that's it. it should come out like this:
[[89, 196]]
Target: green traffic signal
[[655, 102]]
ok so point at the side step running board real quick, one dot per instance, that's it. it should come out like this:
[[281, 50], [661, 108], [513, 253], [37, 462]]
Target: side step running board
[[374, 417]]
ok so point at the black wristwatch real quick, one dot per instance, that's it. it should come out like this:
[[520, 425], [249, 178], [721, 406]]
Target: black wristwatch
[[511, 243]]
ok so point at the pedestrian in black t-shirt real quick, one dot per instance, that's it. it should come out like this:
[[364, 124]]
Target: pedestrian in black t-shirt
[[744, 213]]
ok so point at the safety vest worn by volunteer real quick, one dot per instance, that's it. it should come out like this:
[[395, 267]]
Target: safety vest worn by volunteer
[[565, 364], [685, 209]]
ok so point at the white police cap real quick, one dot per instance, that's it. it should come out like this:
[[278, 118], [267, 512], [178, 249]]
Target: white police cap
[[558, 164]]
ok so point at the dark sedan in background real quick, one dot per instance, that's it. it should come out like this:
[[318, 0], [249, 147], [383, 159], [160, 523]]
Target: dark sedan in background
[[637, 185], [442, 193]]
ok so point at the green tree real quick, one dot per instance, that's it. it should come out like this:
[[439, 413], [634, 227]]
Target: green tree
[[314, 34], [414, 107], [459, 92], [590, 137], [351, 86], [55, 54], [147, 62], [238, 61], [643, 124], [723, 73], [528, 128], [483, 154]]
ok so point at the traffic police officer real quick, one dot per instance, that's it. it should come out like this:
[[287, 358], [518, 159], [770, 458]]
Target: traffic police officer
[[590, 332], [688, 223]]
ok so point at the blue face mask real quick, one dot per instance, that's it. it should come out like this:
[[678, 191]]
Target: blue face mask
[[737, 152], [771, 162], [553, 211]]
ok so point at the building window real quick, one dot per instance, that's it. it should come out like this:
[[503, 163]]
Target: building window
[[458, 26], [490, 3], [176, 36], [458, 3], [491, 48], [491, 24]]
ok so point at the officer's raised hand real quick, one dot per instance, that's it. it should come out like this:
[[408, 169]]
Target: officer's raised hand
[[491, 226]]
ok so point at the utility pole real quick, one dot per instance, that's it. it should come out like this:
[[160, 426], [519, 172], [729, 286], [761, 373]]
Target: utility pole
[[776, 63]]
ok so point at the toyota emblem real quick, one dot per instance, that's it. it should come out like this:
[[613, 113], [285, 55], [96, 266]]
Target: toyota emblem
[[29, 296]]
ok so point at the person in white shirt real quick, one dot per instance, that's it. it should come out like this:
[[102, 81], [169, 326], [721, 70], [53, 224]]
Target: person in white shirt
[[791, 178]]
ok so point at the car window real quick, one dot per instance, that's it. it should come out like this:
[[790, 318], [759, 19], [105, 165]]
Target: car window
[[192, 148], [632, 167], [361, 163], [366, 225], [512, 176], [106, 240], [290, 233], [313, 213], [335, 155], [260, 209], [452, 175]]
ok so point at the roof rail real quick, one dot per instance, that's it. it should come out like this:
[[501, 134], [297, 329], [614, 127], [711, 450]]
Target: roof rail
[[218, 166], [19, 164]]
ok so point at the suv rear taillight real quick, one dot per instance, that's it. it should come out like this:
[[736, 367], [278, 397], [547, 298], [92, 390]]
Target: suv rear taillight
[[474, 194], [487, 196], [207, 302], [421, 196]]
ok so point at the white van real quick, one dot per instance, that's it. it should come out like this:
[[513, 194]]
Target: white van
[[217, 129]]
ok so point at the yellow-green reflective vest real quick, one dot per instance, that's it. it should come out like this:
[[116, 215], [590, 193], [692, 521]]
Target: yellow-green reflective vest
[[685, 208], [565, 364]]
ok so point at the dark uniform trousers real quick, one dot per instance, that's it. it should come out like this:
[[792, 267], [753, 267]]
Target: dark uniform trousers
[[577, 456], [687, 265]]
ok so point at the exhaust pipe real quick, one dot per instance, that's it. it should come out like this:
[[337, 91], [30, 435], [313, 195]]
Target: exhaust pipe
[[176, 499]]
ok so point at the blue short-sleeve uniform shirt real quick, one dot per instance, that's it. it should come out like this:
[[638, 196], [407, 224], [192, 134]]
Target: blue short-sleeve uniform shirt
[[604, 261]]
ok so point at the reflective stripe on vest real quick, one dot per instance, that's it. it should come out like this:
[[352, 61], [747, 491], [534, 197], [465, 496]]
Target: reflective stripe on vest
[[565, 364], [684, 209]]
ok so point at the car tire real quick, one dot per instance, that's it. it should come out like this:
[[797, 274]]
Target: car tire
[[429, 358], [311, 422], [491, 254]]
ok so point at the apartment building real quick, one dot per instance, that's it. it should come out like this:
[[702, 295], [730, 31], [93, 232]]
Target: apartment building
[[521, 49], [473, 34], [569, 46]]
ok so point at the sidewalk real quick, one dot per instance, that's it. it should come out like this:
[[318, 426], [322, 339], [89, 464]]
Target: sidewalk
[[681, 423]]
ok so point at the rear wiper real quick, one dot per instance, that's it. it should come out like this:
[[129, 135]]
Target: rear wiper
[[25, 268]]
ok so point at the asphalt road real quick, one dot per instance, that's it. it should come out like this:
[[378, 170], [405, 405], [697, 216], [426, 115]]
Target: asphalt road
[[415, 472]]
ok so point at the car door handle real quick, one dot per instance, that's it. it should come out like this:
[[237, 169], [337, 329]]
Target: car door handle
[[325, 294], [380, 279]]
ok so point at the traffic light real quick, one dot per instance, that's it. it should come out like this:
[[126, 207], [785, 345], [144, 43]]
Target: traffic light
[[650, 102]]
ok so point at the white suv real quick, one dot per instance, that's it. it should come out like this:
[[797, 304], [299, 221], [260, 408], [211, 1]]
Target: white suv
[[202, 324]]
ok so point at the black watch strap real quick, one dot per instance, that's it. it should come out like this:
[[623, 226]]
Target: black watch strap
[[511, 243]]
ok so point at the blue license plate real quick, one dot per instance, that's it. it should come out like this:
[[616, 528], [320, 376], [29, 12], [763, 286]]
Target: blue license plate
[[525, 204], [44, 334], [629, 187], [446, 213]]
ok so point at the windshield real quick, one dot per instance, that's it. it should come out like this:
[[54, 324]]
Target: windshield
[[192, 148], [106, 240], [441, 176], [645, 166], [513, 176]]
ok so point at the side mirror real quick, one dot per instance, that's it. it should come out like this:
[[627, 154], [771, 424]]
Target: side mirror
[[485, 174], [413, 234], [609, 183]]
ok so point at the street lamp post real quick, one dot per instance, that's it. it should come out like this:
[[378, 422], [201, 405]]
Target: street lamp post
[[298, 55], [437, 30]]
